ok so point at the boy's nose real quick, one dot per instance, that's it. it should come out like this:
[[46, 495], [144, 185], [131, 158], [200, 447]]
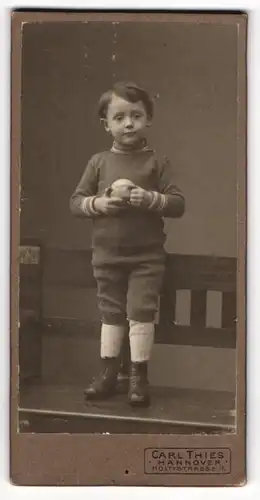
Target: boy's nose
[[128, 122]]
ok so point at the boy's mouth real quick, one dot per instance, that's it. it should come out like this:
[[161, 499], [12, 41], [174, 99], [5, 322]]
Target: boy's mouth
[[129, 134]]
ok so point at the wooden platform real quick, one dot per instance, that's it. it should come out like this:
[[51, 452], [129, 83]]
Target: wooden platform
[[63, 409]]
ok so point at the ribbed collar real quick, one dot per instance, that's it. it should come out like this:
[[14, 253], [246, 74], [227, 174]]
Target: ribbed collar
[[143, 147]]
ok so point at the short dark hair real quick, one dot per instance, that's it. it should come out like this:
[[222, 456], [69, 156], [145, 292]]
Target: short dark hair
[[128, 91]]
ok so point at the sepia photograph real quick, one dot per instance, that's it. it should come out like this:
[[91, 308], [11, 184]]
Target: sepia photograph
[[131, 186]]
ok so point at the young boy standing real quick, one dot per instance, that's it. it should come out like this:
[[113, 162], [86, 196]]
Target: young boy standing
[[128, 237]]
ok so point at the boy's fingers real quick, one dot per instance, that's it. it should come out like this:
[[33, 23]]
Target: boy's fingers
[[136, 200], [116, 201], [116, 206]]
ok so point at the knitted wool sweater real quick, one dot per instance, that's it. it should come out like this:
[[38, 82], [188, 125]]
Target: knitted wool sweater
[[133, 227]]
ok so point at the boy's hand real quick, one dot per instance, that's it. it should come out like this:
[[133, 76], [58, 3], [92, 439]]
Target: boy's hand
[[107, 206], [140, 197]]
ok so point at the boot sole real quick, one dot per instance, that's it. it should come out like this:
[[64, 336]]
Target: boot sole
[[139, 404], [99, 397]]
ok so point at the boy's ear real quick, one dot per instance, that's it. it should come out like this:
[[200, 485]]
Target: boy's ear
[[149, 122], [103, 122]]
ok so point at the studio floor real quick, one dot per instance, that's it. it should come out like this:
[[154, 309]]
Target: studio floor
[[62, 408]]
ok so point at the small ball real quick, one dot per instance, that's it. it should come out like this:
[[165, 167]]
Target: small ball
[[121, 188]]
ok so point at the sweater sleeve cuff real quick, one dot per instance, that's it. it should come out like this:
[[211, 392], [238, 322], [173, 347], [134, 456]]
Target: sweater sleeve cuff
[[158, 203], [87, 206]]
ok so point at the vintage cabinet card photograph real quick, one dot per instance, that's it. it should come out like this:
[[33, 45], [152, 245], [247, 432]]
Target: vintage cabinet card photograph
[[128, 248]]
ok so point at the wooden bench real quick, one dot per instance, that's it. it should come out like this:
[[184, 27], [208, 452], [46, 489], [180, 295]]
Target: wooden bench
[[30, 309], [197, 308]]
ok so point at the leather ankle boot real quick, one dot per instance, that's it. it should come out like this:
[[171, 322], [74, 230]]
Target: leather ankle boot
[[122, 382], [138, 394], [104, 385]]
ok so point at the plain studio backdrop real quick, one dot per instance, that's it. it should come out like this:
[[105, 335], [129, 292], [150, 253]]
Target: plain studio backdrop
[[191, 72]]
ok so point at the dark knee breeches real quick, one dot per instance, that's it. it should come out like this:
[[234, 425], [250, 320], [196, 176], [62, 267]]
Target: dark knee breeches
[[129, 285]]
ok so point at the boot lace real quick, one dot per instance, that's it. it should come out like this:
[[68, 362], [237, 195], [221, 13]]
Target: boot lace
[[135, 381]]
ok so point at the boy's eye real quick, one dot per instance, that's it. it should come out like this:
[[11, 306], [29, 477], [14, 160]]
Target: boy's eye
[[118, 118], [137, 115]]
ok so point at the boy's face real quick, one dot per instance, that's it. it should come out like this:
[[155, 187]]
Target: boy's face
[[126, 121]]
